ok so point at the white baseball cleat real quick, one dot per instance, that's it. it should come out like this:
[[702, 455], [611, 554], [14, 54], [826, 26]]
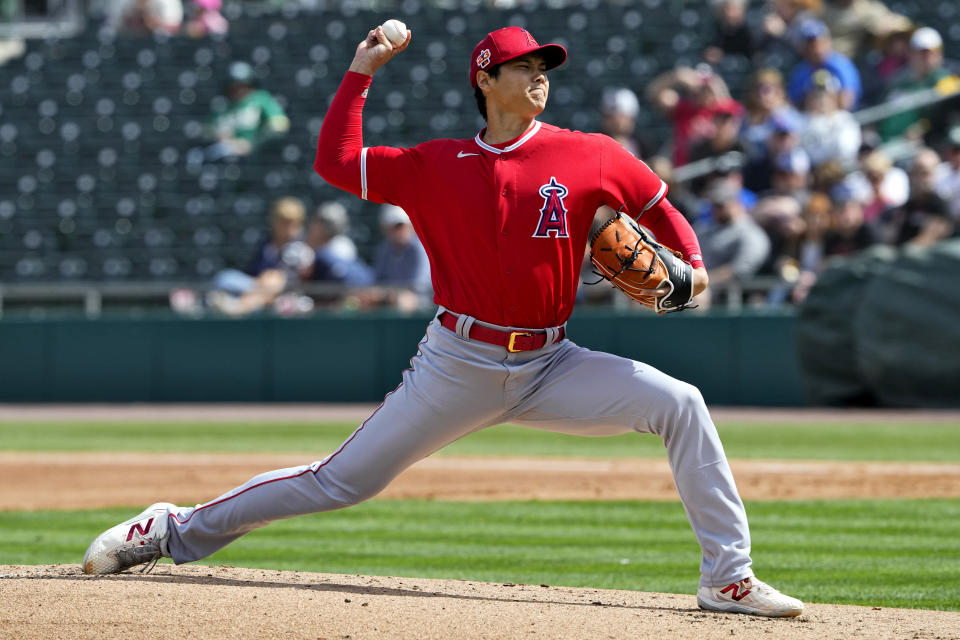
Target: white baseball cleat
[[139, 540], [749, 596]]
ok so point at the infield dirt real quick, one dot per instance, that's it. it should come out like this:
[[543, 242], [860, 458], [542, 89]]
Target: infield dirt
[[95, 480], [57, 602]]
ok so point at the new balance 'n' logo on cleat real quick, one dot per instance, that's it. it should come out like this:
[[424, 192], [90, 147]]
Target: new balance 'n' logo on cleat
[[139, 528], [749, 596], [735, 591], [140, 540]]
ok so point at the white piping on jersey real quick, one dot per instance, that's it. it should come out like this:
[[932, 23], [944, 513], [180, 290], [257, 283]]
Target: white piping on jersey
[[526, 136], [363, 173], [656, 198]]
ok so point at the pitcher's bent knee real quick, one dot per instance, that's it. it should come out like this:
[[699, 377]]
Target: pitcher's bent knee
[[682, 408], [346, 490], [687, 399]]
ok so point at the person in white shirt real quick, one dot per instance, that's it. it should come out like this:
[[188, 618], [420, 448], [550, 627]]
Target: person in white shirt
[[878, 184], [619, 108], [832, 133], [734, 246], [328, 231]]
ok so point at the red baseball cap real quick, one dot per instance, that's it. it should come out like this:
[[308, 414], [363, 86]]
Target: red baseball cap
[[509, 43]]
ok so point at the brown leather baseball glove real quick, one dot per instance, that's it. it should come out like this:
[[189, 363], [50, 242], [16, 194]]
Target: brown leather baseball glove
[[637, 265]]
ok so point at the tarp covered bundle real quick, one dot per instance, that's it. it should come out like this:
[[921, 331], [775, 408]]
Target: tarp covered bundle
[[883, 328]]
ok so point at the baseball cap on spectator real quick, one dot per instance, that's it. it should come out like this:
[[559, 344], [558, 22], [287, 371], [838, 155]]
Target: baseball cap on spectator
[[241, 73], [619, 100], [811, 28], [793, 161], [823, 80], [334, 215], [926, 39], [392, 215], [209, 5], [786, 121], [508, 43], [841, 195], [721, 192]]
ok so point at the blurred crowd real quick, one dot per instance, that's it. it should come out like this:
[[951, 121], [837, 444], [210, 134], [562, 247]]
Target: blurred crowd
[[846, 135], [304, 261], [856, 142], [312, 261], [194, 18], [801, 168]]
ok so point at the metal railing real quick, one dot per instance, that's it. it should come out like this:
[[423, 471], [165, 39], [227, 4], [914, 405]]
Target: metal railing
[[63, 19], [93, 299]]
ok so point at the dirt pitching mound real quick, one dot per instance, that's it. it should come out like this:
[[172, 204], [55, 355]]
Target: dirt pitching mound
[[218, 602]]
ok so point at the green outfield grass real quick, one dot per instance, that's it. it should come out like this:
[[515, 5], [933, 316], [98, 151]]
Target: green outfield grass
[[903, 553], [880, 442], [886, 553]]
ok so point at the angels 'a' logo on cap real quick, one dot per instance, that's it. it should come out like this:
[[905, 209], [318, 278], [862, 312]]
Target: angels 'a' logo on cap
[[483, 59], [530, 40]]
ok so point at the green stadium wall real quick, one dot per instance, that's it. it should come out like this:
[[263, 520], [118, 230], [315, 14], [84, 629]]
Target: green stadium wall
[[742, 359]]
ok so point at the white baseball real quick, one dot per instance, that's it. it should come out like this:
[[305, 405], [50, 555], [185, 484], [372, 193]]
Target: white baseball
[[395, 31]]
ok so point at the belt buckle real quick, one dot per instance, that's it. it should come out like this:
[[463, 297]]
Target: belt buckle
[[513, 339]]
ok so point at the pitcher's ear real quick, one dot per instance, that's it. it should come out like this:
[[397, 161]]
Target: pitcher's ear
[[483, 79]]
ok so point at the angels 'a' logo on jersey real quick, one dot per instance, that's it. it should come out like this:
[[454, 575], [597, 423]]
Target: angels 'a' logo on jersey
[[553, 214]]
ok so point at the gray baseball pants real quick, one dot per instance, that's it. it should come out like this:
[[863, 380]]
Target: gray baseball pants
[[456, 387]]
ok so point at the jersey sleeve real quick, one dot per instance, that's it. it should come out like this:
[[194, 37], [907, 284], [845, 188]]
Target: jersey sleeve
[[379, 174], [390, 174], [672, 230], [626, 182]]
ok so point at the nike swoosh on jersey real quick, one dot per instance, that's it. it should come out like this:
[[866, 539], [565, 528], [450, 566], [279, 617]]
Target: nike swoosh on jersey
[[461, 154]]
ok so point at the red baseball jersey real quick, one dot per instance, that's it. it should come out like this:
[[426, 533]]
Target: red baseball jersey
[[505, 226]]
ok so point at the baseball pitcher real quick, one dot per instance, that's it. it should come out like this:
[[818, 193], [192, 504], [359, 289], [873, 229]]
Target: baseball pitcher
[[504, 217]]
